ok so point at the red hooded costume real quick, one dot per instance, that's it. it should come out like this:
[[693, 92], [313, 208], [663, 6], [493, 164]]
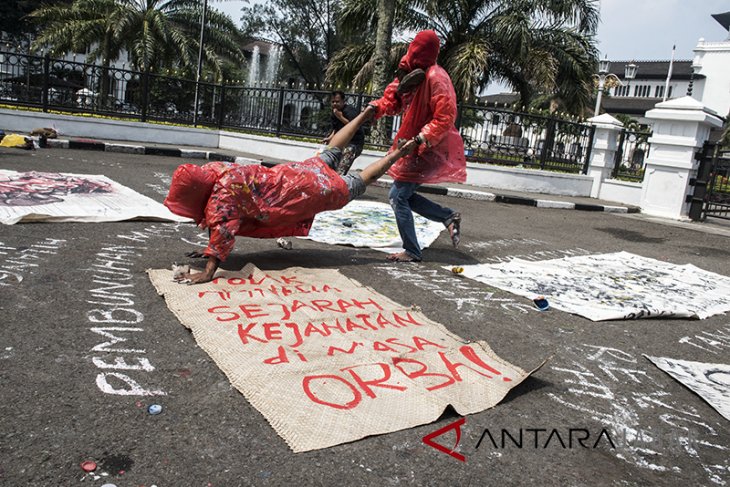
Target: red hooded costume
[[429, 110], [253, 200]]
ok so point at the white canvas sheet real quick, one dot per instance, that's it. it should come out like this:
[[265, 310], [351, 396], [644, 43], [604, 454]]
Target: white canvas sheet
[[327, 360], [613, 286], [62, 197], [369, 224], [709, 381]]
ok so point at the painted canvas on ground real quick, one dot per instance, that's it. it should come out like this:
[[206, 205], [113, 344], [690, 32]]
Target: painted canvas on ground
[[61, 197], [327, 360], [613, 286], [369, 224], [709, 381]]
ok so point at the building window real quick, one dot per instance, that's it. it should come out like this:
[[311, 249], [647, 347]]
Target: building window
[[642, 91], [659, 92], [622, 91], [669, 92]]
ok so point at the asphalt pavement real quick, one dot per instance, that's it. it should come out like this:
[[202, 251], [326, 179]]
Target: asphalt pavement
[[55, 413]]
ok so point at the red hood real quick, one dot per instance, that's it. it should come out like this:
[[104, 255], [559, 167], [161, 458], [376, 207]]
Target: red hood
[[422, 52], [189, 192]]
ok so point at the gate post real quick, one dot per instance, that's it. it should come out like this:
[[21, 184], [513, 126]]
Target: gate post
[[680, 128], [603, 155]]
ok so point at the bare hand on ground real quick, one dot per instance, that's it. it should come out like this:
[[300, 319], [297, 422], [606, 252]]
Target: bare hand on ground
[[196, 278]]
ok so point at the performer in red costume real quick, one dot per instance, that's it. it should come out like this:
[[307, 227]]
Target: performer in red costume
[[256, 201], [424, 95]]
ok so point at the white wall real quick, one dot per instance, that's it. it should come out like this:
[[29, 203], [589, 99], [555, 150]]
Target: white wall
[[109, 130], [530, 180], [623, 191], [268, 148], [712, 60]]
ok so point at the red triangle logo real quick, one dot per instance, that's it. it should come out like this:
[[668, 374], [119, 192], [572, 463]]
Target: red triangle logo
[[456, 425]]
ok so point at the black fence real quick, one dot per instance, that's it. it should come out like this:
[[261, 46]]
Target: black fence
[[490, 135], [630, 159], [527, 140], [711, 195]]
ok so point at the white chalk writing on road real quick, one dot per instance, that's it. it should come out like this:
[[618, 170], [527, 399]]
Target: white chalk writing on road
[[17, 261], [165, 180], [114, 316], [504, 242], [593, 389], [469, 297], [714, 342]]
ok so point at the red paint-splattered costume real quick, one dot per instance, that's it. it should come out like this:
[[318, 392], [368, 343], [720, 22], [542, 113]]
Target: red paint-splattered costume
[[429, 110], [254, 201]]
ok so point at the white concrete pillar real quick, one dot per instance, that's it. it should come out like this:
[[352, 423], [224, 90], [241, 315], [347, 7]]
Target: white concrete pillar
[[680, 128], [605, 145]]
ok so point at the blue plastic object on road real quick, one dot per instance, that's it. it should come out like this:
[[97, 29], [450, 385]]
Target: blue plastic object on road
[[154, 409], [541, 303]]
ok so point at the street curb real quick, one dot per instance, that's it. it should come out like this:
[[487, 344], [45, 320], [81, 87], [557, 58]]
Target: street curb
[[514, 200], [88, 144], [97, 145]]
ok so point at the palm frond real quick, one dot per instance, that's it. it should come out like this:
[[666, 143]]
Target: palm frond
[[466, 64]]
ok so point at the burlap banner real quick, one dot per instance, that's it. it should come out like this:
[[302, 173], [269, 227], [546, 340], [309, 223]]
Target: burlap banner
[[327, 360]]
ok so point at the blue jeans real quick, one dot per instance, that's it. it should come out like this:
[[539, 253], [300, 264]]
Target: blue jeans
[[404, 199]]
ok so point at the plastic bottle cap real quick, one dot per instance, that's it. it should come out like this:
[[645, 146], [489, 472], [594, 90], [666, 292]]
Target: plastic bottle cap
[[88, 466], [541, 303], [154, 409]]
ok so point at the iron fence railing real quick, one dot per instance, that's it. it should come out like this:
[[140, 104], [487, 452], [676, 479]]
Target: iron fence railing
[[490, 135], [717, 204], [631, 156], [711, 194], [523, 139]]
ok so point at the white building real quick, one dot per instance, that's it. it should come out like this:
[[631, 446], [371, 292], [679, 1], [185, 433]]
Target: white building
[[634, 97], [712, 61], [706, 78]]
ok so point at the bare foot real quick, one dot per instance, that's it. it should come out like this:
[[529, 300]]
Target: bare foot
[[402, 257], [455, 229]]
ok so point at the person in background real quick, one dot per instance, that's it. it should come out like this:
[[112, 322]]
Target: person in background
[[424, 94], [342, 114]]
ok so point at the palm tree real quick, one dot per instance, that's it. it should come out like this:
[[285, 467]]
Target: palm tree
[[368, 61], [535, 46], [305, 29], [161, 33], [386, 13]]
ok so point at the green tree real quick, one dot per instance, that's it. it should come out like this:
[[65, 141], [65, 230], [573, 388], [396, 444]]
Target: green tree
[[159, 33], [535, 46], [369, 57], [306, 30], [383, 38]]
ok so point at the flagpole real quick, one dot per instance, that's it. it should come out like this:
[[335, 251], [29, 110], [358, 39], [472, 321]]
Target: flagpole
[[200, 63], [669, 74]]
